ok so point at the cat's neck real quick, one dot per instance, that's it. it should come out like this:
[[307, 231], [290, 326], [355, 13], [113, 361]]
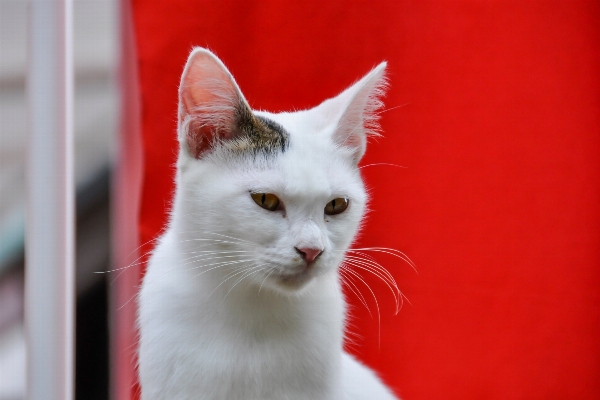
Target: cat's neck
[[321, 304]]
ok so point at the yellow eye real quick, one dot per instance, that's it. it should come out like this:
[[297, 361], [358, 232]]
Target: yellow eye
[[337, 206], [268, 201]]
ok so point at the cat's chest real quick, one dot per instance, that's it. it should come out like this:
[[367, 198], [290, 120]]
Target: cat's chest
[[282, 353]]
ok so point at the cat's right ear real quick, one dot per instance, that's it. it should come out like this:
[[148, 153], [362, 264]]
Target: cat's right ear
[[209, 101]]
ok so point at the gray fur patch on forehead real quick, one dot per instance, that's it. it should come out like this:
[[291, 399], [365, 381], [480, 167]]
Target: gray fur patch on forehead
[[257, 135]]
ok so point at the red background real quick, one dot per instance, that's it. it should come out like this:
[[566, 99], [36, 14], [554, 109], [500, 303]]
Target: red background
[[499, 206]]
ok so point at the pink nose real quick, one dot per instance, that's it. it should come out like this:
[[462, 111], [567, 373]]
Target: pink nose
[[309, 255]]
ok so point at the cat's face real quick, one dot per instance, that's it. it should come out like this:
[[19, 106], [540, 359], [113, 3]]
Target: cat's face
[[271, 200], [299, 186]]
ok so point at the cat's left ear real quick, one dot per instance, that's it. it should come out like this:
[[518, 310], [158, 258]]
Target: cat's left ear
[[358, 111]]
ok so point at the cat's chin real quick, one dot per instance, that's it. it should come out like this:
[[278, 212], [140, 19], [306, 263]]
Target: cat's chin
[[290, 283]]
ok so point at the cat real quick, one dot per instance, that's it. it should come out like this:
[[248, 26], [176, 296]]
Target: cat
[[242, 297]]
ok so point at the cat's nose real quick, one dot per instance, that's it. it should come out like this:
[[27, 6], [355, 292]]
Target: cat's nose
[[309, 255]]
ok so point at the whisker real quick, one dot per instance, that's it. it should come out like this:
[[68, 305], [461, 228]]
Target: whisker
[[229, 237], [240, 270], [214, 241], [263, 281], [221, 235], [234, 271], [130, 253], [132, 264], [217, 251], [135, 263], [374, 298], [388, 164], [374, 264], [346, 281], [398, 295], [377, 269], [127, 302], [250, 271], [216, 265], [379, 272], [386, 250], [203, 257], [394, 293]]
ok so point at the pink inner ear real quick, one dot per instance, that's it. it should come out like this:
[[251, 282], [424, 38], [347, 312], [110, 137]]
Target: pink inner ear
[[204, 83], [209, 96], [356, 143], [353, 141], [199, 139]]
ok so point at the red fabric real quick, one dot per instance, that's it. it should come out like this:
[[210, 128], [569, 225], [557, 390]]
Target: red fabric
[[494, 108]]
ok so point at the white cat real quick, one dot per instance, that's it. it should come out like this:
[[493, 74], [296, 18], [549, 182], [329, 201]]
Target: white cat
[[242, 297]]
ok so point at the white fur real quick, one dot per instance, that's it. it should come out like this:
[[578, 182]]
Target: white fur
[[216, 319]]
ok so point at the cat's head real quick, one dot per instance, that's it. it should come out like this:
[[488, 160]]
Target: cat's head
[[271, 200]]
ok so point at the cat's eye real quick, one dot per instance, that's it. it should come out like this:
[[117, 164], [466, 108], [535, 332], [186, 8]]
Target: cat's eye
[[268, 201], [337, 206]]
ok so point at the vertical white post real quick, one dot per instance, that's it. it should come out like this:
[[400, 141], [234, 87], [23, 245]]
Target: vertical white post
[[49, 281]]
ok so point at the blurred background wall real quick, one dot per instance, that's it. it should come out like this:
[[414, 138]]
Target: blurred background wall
[[96, 46]]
